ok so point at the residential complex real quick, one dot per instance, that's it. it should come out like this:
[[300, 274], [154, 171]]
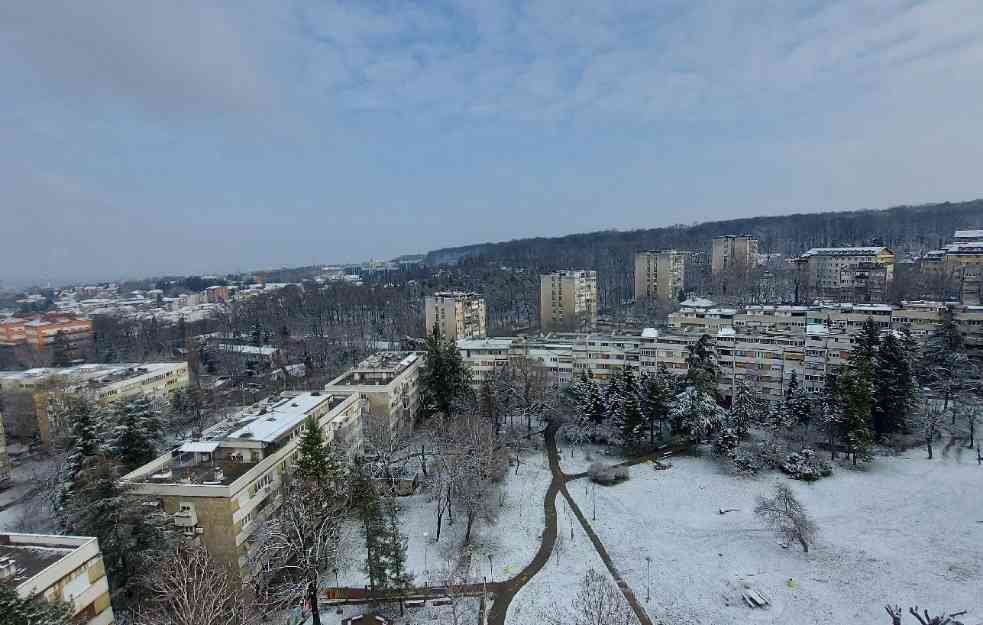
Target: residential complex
[[4, 461], [389, 382], [568, 300], [38, 333], [456, 313], [960, 263], [665, 274], [58, 568], [761, 345], [838, 272], [29, 395], [734, 252], [218, 487]]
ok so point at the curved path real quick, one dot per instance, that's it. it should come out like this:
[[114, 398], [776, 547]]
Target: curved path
[[505, 591]]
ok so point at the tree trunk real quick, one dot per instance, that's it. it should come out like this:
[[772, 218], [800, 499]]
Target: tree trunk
[[312, 599], [928, 444], [805, 545], [467, 531], [450, 508], [440, 522]]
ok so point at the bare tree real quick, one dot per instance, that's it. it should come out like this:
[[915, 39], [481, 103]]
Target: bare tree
[[189, 588], [929, 418], [784, 514], [298, 543], [598, 602], [924, 618]]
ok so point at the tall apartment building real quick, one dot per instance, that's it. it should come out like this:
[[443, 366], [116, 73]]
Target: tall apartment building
[[58, 568], [29, 395], [457, 314], [665, 274], [568, 300], [734, 252], [389, 382], [826, 271], [218, 488]]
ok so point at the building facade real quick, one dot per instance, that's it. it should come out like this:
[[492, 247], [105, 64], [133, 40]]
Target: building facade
[[568, 300], [457, 314], [59, 568], [4, 460], [31, 395], [831, 272], [666, 274], [389, 384], [734, 253], [218, 488]]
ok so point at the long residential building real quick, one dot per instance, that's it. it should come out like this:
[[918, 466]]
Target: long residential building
[[218, 488], [568, 300], [457, 314], [67, 569], [839, 272], [389, 382], [30, 395]]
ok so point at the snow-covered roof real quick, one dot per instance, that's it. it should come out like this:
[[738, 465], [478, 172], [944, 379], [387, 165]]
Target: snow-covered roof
[[969, 234], [279, 419], [650, 333], [844, 251], [204, 447], [491, 343], [262, 350], [814, 329], [697, 302]]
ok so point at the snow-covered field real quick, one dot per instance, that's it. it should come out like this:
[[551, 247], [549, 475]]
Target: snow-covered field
[[511, 541], [559, 580], [904, 530]]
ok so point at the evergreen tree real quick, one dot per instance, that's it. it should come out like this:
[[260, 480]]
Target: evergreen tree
[[656, 392], [30, 611], [595, 410], [61, 350], [628, 418], [696, 413], [702, 371], [865, 347], [397, 577], [612, 398], [84, 442], [487, 409], [894, 388], [312, 454], [444, 379], [134, 438], [798, 404], [855, 402], [746, 408]]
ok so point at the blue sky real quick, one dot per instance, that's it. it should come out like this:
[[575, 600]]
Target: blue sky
[[144, 137]]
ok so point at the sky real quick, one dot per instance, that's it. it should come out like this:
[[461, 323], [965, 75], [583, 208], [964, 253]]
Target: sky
[[140, 137]]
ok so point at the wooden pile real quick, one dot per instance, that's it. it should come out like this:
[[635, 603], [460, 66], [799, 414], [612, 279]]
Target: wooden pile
[[754, 599]]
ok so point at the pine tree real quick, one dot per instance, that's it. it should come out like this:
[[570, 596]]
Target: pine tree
[[61, 351], [31, 611], [612, 398], [656, 392], [134, 438], [444, 379], [398, 578], [697, 413], [746, 408], [798, 404], [702, 371], [628, 418], [312, 455], [84, 443], [855, 400], [894, 388]]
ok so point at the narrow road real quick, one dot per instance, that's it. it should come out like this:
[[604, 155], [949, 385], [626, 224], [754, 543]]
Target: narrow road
[[508, 589]]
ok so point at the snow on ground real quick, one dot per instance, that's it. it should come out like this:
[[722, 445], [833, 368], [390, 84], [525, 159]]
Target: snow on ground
[[578, 458], [466, 607], [25, 475], [511, 542], [559, 580], [903, 530]]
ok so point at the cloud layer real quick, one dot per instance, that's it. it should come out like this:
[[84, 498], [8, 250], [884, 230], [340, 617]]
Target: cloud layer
[[197, 136]]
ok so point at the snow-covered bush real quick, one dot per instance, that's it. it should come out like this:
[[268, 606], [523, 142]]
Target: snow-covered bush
[[605, 474], [745, 461], [726, 442], [805, 465]]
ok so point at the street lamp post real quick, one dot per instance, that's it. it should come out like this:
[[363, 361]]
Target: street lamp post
[[648, 579], [593, 500]]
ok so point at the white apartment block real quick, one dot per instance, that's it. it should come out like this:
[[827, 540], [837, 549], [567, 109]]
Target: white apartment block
[[388, 382], [457, 314], [485, 356], [568, 300], [219, 487], [58, 568]]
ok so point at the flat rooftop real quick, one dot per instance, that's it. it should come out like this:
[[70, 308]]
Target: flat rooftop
[[94, 375], [30, 558], [202, 473], [388, 361]]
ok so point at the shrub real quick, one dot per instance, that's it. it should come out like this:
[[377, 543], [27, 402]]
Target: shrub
[[805, 465], [604, 474]]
